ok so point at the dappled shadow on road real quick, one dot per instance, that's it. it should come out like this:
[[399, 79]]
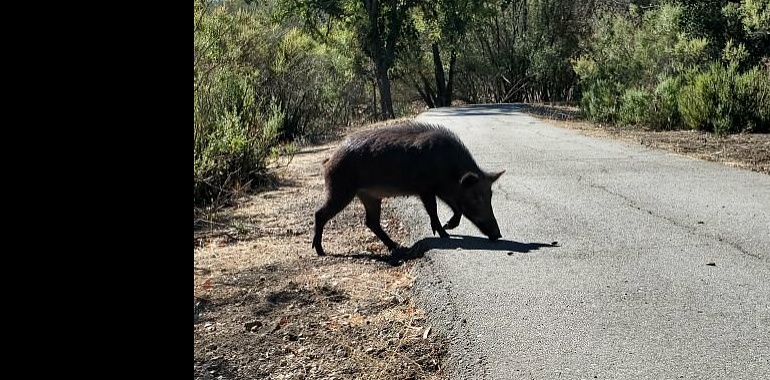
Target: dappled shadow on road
[[548, 111], [480, 109], [418, 249]]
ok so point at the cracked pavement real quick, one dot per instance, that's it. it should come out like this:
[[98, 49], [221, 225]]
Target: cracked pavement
[[661, 267]]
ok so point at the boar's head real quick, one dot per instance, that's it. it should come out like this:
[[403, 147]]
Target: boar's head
[[476, 201]]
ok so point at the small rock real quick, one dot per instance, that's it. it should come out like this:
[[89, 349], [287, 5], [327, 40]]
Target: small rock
[[252, 325], [712, 264]]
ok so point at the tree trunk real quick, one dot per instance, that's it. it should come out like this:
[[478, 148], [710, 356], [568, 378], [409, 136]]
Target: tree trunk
[[451, 82], [425, 91], [386, 101], [444, 87], [382, 51], [438, 70]]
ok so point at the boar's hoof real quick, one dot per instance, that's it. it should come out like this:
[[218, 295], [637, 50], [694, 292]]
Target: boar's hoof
[[449, 225]]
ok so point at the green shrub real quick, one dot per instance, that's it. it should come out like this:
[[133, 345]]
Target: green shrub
[[233, 137], [664, 113], [652, 110], [753, 93], [635, 107], [721, 100], [600, 101], [259, 86], [640, 53], [695, 101]]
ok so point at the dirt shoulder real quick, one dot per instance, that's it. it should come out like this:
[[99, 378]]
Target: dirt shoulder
[[267, 307], [744, 150]]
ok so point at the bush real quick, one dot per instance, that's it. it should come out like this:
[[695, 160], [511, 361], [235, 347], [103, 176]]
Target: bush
[[653, 110], [753, 93], [665, 113], [721, 100], [629, 71], [258, 86], [635, 108], [233, 138], [600, 101]]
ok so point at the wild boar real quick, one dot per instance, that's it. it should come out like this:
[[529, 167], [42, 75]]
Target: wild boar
[[404, 159]]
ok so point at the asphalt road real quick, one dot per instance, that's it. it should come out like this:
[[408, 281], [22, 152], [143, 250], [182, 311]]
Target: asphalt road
[[661, 268]]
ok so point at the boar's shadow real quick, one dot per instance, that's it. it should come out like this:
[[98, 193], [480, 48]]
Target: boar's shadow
[[471, 243], [476, 243]]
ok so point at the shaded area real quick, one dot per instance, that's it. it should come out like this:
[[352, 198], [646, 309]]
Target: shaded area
[[481, 109], [549, 111], [479, 243], [273, 287], [418, 249]]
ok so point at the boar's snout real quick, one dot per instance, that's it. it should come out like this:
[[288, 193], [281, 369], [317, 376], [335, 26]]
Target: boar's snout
[[488, 227]]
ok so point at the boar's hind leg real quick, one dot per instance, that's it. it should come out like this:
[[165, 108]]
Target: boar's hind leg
[[334, 204], [373, 207], [429, 201], [454, 221]]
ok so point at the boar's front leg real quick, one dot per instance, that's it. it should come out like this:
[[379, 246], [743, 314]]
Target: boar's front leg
[[429, 201], [373, 207], [454, 221]]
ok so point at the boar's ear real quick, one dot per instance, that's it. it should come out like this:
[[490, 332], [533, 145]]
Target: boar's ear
[[494, 176], [469, 179]]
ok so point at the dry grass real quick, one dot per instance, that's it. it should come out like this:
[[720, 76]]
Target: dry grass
[[267, 307]]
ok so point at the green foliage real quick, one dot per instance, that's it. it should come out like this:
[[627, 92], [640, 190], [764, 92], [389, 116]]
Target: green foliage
[[600, 101], [664, 113], [755, 15], [734, 54], [696, 100], [629, 74], [704, 19], [655, 109], [723, 22], [258, 86], [753, 92], [233, 135], [635, 106], [722, 100]]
